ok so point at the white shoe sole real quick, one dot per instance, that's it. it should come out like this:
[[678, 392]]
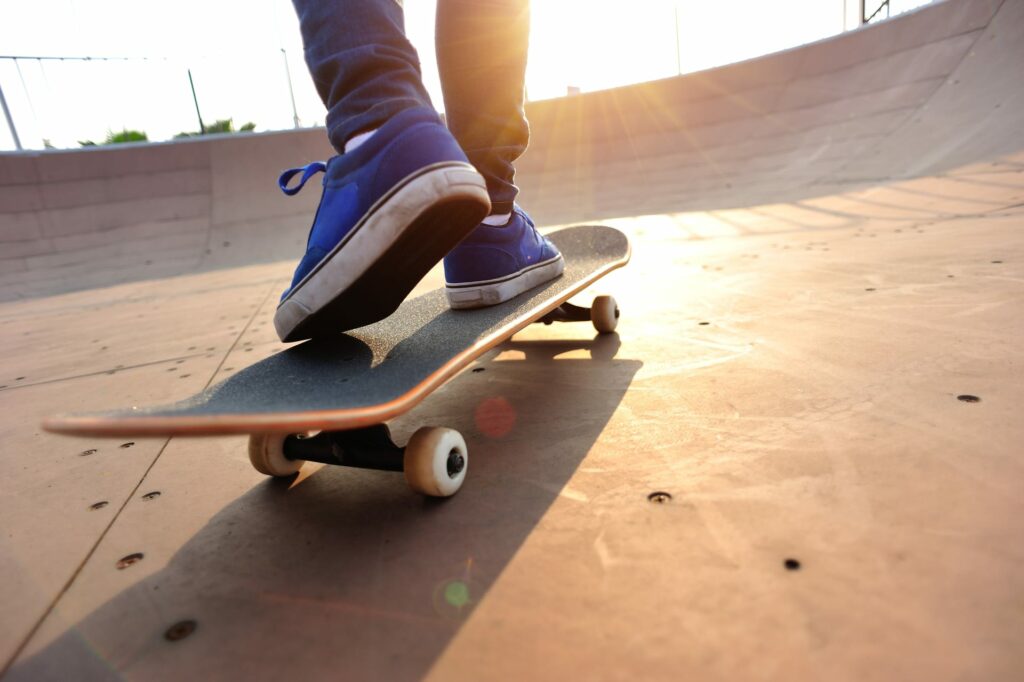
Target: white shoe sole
[[494, 291], [369, 272]]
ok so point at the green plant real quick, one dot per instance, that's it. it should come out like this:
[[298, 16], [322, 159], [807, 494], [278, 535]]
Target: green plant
[[224, 125], [124, 135]]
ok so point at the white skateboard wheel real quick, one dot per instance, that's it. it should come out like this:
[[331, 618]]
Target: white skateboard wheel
[[436, 460], [266, 452], [604, 313]]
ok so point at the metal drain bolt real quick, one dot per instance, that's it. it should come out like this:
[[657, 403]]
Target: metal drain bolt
[[127, 561], [180, 630]]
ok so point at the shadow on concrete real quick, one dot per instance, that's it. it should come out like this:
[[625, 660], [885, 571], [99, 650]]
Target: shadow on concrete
[[349, 561]]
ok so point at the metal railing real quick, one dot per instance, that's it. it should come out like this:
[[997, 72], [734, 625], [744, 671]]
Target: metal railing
[[865, 19], [15, 59], [35, 73]]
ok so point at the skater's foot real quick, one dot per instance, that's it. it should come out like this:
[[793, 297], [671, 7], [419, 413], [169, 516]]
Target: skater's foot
[[390, 211], [495, 263]]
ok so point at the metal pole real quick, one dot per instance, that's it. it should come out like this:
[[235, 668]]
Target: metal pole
[[10, 121], [28, 97], [202, 128], [291, 92], [679, 59]]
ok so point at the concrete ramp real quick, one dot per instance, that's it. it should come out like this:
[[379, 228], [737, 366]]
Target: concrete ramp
[[799, 458]]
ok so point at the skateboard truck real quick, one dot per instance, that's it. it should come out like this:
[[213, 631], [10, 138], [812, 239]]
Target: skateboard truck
[[603, 312], [367, 448], [434, 460]]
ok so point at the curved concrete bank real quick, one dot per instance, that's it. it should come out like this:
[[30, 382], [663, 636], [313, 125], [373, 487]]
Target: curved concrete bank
[[798, 458], [926, 92], [79, 219]]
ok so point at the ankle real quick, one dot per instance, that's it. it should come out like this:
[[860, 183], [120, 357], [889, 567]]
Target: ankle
[[357, 140], [497, 219]]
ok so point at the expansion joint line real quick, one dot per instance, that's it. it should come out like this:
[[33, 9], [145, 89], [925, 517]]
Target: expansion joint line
[[131, 495]]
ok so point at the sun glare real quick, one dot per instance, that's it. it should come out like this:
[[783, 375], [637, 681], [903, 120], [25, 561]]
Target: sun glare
[[575, 46], [586, 45]]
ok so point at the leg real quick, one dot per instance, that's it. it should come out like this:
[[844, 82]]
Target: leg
[[481, 56], [364, 68], [393, 205]]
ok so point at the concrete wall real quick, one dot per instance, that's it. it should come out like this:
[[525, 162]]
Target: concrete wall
[[923, 93], [76, 219]]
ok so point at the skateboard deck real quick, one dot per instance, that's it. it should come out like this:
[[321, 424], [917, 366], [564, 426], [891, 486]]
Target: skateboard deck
[[369, 375]]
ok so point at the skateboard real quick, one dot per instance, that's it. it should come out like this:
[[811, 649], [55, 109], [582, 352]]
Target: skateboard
[[345, 388]]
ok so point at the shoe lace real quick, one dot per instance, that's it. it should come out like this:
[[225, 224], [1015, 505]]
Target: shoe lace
[[307, 171]]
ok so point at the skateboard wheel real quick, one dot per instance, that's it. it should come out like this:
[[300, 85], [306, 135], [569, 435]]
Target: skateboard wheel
[[436, 460], [604, 313], [266, 452]]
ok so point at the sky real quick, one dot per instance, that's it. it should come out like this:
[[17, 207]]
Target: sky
[[242, 53]]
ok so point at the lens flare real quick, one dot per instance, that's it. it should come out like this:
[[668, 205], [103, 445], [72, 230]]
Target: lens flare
[[495, 417], [456, 593]]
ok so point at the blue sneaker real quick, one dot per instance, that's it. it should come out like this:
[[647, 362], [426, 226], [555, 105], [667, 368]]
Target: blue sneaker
[[493, 264], [390, 210]]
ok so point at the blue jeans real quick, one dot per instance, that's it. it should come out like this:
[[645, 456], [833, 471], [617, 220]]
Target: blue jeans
[[366, 71]]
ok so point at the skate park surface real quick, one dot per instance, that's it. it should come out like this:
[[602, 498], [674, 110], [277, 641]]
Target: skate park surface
[[799, 457]]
